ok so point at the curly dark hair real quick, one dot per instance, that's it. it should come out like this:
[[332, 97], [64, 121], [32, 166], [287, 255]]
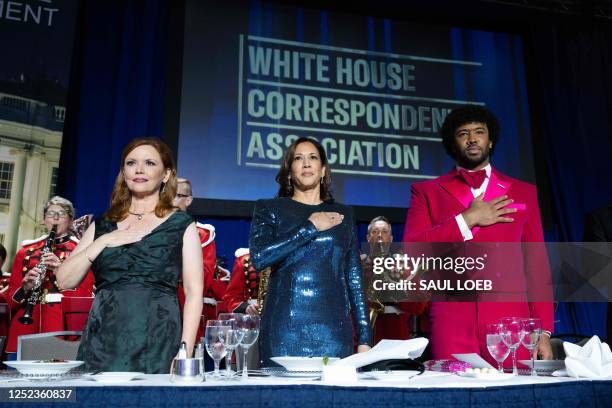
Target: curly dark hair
[[283, 178], [467, 114]]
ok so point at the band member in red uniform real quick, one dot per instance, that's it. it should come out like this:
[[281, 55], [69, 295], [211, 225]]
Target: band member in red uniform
[[394, 314], [184, 198], [48, 316], [241, 293]]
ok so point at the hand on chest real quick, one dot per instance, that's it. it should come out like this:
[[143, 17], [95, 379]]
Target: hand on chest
[[500, 203]]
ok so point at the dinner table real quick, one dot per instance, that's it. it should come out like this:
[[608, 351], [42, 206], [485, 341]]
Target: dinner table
[[379, 389]]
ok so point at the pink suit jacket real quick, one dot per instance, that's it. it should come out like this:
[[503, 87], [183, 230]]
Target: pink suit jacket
[[460, 327]]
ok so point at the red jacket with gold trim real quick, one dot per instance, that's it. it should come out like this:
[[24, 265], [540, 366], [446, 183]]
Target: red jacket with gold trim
[[243, 283], [27, 258]]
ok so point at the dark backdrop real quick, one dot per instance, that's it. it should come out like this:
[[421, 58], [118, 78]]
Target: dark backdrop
[[124, 82]]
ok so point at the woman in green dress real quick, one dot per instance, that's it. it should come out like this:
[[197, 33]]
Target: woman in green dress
[[137, 251]]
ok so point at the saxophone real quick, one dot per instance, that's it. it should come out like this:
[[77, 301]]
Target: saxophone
[[375, 306], [262, 288], [36, 295]]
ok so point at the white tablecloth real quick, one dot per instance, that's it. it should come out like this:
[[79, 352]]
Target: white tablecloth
[[426, 380]]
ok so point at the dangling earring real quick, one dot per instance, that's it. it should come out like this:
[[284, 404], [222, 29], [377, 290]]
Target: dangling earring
[[163, 189], [321, 181]]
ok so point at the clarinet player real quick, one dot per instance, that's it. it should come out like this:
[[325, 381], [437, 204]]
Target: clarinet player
[[58, 213]]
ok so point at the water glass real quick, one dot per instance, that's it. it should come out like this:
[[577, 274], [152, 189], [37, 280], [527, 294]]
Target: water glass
[[233, 339], [532, 333], [214, 339], [249, 326], [496, 346], [511, 332]]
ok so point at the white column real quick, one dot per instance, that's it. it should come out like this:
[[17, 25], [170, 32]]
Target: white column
[[14, 215], [35, 193]]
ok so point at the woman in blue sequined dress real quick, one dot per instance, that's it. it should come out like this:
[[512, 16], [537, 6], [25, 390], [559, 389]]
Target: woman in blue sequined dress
[[315, 300]]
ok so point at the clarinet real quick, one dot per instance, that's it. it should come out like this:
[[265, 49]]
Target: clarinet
[[36, 294]]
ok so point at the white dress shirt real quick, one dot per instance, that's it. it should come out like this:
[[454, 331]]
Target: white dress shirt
[[463, 227]]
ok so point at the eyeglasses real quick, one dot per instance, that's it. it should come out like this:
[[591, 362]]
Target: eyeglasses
[[179, 195], [58, 214]]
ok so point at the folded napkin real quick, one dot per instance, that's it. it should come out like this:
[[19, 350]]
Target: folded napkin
[[387, 350], [593, 360]]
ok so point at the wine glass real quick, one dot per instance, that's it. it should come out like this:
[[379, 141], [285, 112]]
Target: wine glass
[[532, 333], [214, 339], [511, 332], [233, 338], [498, 350], [249, 326]]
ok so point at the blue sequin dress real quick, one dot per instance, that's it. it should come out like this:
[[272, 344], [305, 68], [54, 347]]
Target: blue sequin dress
[[314, 297]]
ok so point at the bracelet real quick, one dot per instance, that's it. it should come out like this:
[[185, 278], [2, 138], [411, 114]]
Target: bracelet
[[548, 333], [87, 256]]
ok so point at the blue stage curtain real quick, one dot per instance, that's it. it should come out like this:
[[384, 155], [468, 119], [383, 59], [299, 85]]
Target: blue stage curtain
[[116, 94], [573, 65]]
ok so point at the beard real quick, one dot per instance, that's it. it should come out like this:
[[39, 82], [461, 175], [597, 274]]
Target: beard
[[470, 162]]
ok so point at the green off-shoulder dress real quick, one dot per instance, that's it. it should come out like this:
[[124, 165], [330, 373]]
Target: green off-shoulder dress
[[135, 322]]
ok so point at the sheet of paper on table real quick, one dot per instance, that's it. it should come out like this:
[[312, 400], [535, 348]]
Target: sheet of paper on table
[[474, 359], [387, 350]]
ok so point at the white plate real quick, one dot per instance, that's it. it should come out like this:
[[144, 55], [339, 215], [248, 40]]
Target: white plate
[[302, 363], [398, 375], [37, 368], [114, 377], [280, 372], [487, 377], [545, 365]]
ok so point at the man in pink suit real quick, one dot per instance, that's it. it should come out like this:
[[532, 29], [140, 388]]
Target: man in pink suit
[[475, 202]]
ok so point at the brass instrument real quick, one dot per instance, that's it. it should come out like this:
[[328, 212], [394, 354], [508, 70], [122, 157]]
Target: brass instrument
[[37, 295], [375, 306], [262, 288], [80, 225]]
